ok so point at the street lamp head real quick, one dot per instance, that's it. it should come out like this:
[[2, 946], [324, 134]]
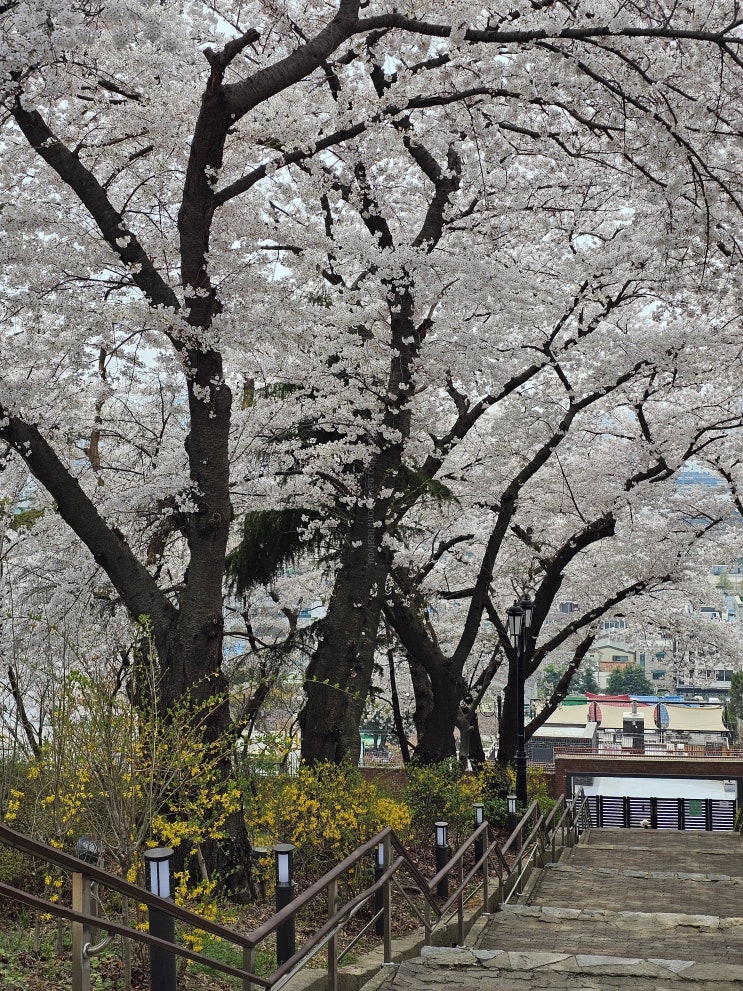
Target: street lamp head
[[528, 608], [515, 619]]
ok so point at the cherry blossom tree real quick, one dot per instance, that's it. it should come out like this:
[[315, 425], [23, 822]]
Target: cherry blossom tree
[[199, 195], [550, 531]]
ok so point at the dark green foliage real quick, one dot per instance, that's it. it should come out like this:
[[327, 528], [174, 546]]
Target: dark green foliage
[[25, 518], [496, 780], [584, 679], [736, 694], [629, 681], [19, 871], [278, 390], [734, 709], [271, 543], [411, 485]]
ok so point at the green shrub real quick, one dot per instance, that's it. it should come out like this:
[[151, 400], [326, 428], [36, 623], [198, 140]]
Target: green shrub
[[498, 781], [441, 792]]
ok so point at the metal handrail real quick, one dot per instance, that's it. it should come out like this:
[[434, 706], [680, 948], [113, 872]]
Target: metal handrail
[[118, 929], [67, 861], [542, 832]]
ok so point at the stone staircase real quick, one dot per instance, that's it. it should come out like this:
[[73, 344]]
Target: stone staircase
[[625, 910]]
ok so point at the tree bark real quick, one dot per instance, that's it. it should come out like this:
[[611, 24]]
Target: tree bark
[[471, 750], [338, 677], [437, 740], [396, 711]]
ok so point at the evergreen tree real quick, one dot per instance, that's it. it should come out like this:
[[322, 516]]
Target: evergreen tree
[[629, 680]]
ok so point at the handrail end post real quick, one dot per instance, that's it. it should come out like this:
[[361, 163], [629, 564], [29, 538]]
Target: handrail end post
[[81, 934]]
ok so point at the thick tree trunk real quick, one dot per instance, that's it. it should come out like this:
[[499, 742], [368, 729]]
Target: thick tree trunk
[[471, 751], [339, 675], [422, 693], [436, 742], [397, 712], [192, 677]]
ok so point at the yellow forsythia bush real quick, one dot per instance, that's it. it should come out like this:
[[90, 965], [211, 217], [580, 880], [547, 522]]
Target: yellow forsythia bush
[[326, 811]]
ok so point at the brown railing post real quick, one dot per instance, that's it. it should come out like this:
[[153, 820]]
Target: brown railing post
[[553, 844], [460, 903], [486, 875], [427, 930], [501, 881], [387, 902], [249, 965], [333, 941], [81, 934]]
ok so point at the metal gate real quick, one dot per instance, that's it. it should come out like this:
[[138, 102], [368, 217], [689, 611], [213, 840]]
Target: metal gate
[[662, 813]]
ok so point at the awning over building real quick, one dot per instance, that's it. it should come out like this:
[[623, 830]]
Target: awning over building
[[681, 718], [550, 731]]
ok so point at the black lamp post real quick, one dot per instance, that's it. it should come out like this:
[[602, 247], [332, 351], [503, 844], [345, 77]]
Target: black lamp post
[[159, 876], [442, 857], [286, 943], [519, 624], [479, 810]]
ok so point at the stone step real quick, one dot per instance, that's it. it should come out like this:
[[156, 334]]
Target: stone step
[[624, 934], [567, 885], [689, 860], [668, 841], [604, 919], [496, 970]]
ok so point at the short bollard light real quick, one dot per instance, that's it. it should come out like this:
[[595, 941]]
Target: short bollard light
[[160, 871], [285, 938], [442, 857], [379, 866], [479, 810], [159, 875]]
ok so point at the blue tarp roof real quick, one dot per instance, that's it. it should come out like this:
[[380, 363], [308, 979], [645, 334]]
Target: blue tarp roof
[[650, 699]]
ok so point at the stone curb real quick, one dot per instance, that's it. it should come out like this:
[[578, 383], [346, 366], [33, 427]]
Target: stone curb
[[459, 958], [662, 920]]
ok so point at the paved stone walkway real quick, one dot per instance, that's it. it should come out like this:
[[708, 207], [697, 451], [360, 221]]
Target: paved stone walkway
[[626, 910]]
